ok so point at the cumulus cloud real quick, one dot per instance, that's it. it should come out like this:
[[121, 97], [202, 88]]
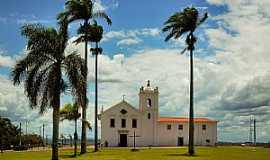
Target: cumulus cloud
[[129, 41], [27, 21], [131, 36], [99, 6], [6, 61], [114, 34], [241, 43], [14, 105]]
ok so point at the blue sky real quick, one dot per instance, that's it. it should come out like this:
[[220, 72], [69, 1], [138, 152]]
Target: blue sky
[[231, 65], [127, 16]]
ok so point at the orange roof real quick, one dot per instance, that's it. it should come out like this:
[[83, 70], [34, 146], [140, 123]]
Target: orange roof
[[182, 120]]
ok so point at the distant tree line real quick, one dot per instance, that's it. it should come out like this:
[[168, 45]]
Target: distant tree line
[[10, 137]]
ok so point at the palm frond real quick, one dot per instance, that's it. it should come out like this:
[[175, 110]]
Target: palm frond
[[53, 83], [75, 70], [78, 10], [90, 32], [88, 124], [180, 23], [44, 101], [80, 39], [38, 94], [102, 15], [205, 16], [29, 85], [63, 33], [42, 41], [37, 35], [69, 112]]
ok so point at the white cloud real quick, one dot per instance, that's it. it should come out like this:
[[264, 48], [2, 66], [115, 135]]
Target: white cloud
[[6, 61], [13, 102], [24, 18], [14, 105], [216, 2], [131, 36], [241, 43], [114, 34], [27, 21], [129, 41], [98, 6], [219, 38], [151, 32], [101, 5], [115, 4]]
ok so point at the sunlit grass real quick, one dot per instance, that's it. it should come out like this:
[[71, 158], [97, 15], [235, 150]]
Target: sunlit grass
[[202, 153]]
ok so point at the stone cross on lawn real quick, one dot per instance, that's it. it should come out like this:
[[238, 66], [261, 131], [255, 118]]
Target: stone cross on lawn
[[134, 140]]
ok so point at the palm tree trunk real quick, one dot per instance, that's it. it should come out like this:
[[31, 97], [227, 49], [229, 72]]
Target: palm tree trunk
[[75, 139], [1, 140], [83, 138], [56, 115], [96, 98], [191, 114]]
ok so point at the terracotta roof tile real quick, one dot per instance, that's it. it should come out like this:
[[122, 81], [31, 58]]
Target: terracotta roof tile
[[183, 119]]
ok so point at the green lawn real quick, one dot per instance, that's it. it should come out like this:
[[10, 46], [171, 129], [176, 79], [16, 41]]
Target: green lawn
[[202, 153]]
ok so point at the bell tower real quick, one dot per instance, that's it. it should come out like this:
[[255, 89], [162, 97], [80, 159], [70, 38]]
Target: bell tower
[[148, 105], [148, 98]]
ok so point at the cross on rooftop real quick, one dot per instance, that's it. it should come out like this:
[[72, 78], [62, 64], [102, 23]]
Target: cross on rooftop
[[148, 83]]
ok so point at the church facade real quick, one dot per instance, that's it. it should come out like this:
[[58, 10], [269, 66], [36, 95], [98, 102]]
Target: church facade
[[122, 121]]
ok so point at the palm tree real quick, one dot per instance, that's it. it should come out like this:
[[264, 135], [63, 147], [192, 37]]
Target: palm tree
[[186, 22], [62, 137], [94, 34], [70, 112], [83, 10], [42, 68]]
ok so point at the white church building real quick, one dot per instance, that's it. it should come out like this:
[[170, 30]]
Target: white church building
[[121, 121]]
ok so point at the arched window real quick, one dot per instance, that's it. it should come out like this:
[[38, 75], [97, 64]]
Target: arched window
[[148, 102]]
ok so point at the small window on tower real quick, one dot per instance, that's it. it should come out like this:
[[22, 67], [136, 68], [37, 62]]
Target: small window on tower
[[149, 103], [149, 116]]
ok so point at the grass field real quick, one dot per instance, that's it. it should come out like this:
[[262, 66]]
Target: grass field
[[202, 153]]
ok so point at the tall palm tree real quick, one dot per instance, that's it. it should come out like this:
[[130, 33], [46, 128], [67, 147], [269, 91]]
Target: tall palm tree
[[83, 10], [186, 22], [94, 34], [70, 112], [47, 71]]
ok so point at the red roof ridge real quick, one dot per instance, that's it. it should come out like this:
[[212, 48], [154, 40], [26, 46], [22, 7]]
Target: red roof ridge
[[184, 119]]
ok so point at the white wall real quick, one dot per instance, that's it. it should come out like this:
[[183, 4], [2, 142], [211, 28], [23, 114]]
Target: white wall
[[170, 137], [111, 135]]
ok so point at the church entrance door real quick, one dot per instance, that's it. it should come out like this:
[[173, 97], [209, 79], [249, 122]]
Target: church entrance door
[[123, 140], [180, 141]]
